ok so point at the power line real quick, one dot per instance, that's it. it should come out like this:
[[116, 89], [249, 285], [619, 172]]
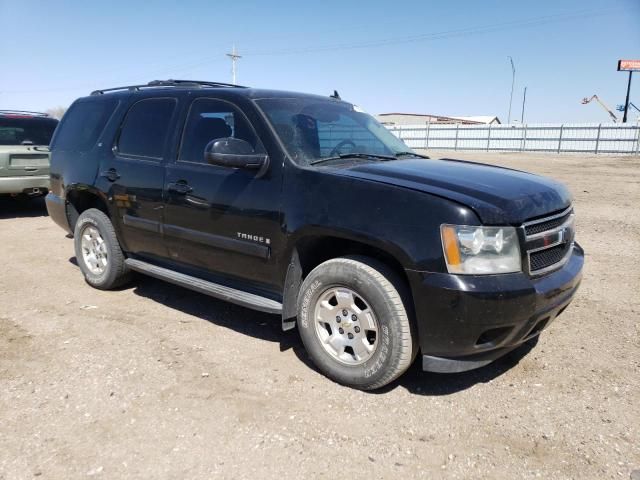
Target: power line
[[425, 37], [463, 32], [131, 79]]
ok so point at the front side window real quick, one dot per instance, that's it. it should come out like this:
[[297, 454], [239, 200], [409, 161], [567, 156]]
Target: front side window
[[313, 129], [146, 127], [209, 120]]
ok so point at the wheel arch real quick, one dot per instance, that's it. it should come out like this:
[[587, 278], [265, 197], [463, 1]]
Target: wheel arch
[[81, 198], [311, 250]]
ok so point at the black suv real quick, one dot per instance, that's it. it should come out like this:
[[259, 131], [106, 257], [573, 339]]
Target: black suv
[[306, 207]]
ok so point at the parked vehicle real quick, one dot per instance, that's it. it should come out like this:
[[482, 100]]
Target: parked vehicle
[[24, 152], [306, 207]]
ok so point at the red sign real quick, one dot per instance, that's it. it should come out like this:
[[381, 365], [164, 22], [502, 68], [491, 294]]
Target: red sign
[[628, 65]]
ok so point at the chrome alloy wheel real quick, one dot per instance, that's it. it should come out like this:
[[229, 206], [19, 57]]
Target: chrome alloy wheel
[[346, 326], [94, 250]]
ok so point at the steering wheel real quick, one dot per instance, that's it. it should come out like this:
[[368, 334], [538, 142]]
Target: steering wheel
[[337, 149]]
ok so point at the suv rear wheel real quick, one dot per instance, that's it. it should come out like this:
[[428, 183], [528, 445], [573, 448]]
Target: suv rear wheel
[[354, 323], [98, 252]]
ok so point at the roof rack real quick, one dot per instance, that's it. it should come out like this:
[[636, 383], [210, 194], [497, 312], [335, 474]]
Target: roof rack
[[168, 83], [24, 112]]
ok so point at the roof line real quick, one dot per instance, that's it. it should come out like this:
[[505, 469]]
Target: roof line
[[24, 112], [168, 83]]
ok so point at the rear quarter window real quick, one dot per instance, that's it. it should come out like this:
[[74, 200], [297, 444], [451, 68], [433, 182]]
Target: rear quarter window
[[82, 125]]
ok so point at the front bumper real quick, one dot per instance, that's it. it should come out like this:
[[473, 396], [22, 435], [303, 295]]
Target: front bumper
[[21, 184], [467, 321]]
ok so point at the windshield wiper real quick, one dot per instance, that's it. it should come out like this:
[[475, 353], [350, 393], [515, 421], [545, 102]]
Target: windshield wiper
[[385, 158], [412, 154]]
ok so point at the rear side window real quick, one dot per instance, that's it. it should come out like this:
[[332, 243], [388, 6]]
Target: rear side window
[[146, 127], [24, 130], [82, 125]]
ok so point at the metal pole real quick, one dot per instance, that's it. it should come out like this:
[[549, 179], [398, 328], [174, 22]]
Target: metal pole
[[524, 138], [455, 145], [598, 137], [626, 102], [513, 81], [638, 138], [560, 137], [489, 137], [426, 144], [524, 100]]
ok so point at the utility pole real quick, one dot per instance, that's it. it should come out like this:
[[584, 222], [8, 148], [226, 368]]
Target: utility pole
[[513, 81], [234, 57], [524, 100]]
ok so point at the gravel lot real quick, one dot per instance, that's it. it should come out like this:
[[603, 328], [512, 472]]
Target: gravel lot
[[154, 381]]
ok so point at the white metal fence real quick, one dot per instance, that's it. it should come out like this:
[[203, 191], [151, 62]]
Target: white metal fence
[[558, 138]]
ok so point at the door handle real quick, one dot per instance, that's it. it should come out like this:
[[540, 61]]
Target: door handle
[[110, 175], [180, 187]]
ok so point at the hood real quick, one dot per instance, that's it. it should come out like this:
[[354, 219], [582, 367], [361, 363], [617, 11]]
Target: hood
[[498, 195]]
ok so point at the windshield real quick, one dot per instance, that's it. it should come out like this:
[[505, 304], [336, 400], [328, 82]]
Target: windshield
[[313, 129], [22, 130]]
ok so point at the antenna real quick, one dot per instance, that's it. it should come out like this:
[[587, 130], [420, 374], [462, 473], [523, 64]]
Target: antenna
[[234, 57]]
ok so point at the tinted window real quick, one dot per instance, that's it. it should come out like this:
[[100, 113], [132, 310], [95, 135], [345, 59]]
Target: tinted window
[[82, 125], [212, 119], [24, 130], [145, 128]]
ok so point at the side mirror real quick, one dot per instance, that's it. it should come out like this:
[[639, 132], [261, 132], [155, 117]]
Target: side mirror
[[235, 153]]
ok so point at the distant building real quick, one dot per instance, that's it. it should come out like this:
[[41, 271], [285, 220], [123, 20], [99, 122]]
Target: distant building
[[420, 119]]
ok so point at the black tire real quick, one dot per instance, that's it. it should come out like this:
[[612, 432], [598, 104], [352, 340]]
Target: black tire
[[387, 295], [115, 272]]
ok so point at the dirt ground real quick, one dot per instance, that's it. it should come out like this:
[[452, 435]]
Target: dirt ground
[[154, 381]]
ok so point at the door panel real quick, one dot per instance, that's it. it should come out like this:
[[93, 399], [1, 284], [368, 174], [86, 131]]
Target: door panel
[[228, 223], [135, 172], [137, 201], [221, 219]]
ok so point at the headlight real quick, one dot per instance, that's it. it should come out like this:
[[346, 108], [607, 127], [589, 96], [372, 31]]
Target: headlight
[[478, 250]]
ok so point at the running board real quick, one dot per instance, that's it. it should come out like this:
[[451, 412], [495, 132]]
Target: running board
[[248, 300]]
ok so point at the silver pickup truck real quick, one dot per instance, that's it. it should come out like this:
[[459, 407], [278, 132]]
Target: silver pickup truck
[[24, 152]]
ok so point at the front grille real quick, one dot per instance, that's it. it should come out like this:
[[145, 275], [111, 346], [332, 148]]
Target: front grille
[[544, 225], [548, 257], [549, 241]]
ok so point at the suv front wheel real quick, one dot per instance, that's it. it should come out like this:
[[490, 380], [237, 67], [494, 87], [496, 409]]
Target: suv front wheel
[[354, 323], [98, 252]]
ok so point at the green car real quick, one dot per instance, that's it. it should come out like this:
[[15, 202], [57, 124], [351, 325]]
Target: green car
[[24, 152]]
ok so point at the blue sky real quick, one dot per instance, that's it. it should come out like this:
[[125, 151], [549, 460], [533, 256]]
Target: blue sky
[[447, 58]]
